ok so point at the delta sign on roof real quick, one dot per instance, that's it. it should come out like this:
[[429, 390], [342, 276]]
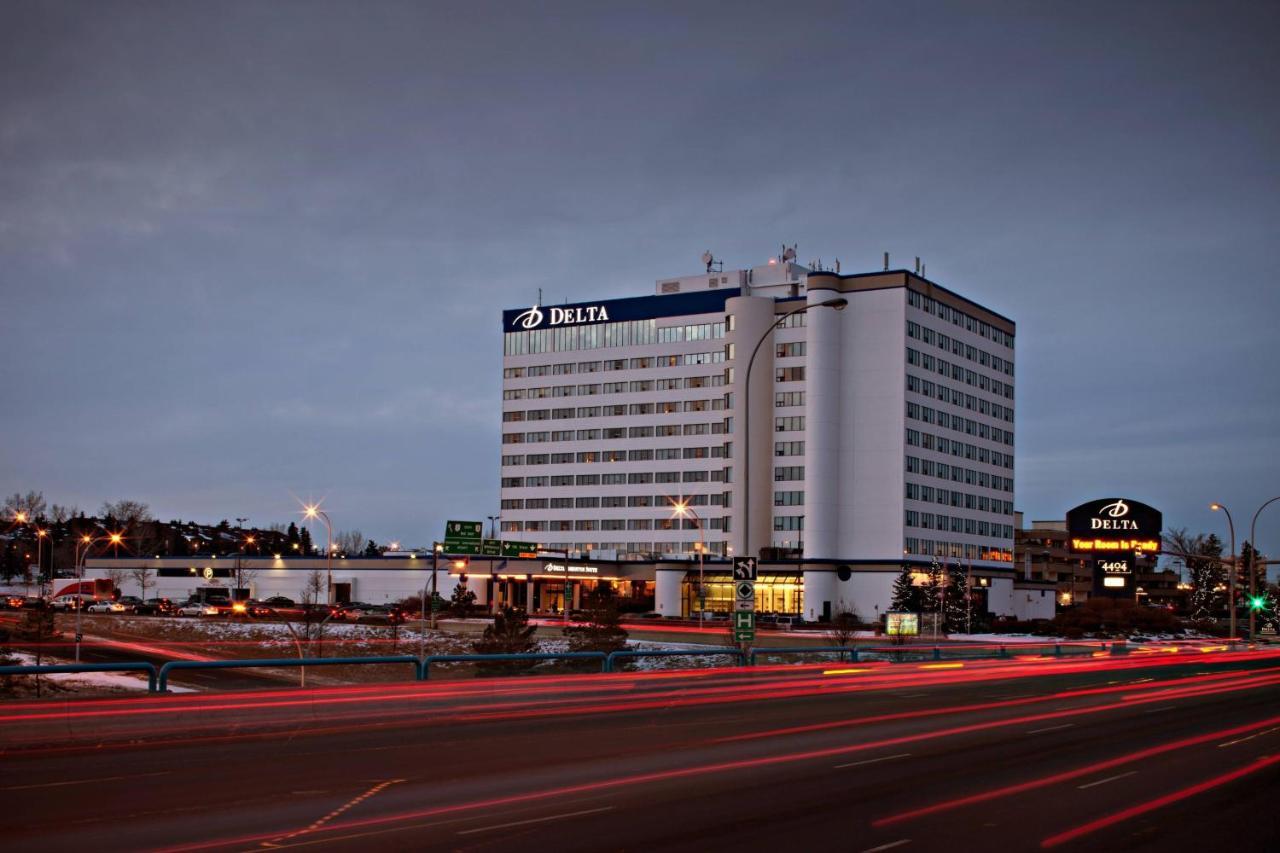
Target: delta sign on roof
[[615, 310]]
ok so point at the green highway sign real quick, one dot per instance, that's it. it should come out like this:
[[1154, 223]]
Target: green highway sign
[[519, 549], [490, 548], [463, 531], [746, 635]]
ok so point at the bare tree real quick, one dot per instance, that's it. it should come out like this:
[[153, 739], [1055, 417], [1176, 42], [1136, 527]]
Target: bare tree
[[315, 617], [126, 512], [117, 578], [843, 627], [60, 514], [31, 504], [241, 575], [349, 542], [142, 576]]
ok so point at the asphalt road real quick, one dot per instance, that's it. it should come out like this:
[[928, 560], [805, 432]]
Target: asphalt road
[[1176, 751]]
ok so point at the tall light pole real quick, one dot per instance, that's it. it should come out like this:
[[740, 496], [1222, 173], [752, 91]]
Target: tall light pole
[[40, 535], [313, 511], [838, 303], [681, 509], [1253, 558], [1232, 586], [115, 539], [493, 526]]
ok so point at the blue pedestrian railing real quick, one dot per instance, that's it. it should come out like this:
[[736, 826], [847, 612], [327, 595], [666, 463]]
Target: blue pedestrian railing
[[629, 653], [43, 669], [840, 651], [515, 656], [171, 666]]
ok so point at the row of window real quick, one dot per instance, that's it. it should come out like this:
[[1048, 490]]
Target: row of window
[[624, 334], [783, 473], [968, 426], [638, 363], [946, 394], [639, 455], [959, 373], [956, 317], [656, 431], [616, 410], [958, 499], [558, 525], [956, 550], [959, 348], [782, 399], [957, 474], [638, 386], [957, 524], [929, 441], [791, 423], [614, 501], [635, 549], [789, 350], [633, 479]]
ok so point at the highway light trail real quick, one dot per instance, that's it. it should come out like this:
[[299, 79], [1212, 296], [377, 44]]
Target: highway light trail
[[695, 771], [1160, 802], [1076, 773]]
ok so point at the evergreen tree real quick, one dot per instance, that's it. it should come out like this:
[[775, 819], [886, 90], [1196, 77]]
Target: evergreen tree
[[371, 550], [461, 602], [602, 631], [509, 634], [291, 537], [956, 610], [304, 542], [905, 594]]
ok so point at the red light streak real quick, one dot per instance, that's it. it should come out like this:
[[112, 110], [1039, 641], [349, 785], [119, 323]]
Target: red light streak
[[1065, 776], [1159, 802], [695, 771]]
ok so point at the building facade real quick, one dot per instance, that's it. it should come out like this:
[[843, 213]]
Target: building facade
[[836, 444]]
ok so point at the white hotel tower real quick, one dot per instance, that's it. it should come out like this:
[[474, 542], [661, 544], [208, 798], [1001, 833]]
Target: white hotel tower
[[881, 433]]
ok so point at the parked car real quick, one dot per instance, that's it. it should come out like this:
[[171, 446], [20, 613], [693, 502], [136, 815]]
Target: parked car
[[278, 601], [786, 623], [380, 614], [13, 602], [251, 607], [69, 602], [199, 608], [156, 607], [353, 611], [106, 606], [34, 602], [131, 602]]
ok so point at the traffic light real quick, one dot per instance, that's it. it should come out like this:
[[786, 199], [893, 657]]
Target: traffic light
[[1257, 602]]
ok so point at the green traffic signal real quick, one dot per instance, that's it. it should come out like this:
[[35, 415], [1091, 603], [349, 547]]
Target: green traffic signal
[[1257, 602]]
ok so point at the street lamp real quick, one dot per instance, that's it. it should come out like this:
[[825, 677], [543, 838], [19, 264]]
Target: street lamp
[[1232, 586], [313, 511], [838, 303], [681, 508], [40, 535], [1253, 558], [81, 556]]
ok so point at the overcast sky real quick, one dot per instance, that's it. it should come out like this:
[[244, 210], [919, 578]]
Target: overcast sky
[[253, 251]]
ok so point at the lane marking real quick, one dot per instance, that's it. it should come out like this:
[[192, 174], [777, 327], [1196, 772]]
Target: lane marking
[[1158, 710], [331, 815], [1158, 802], [535, 820], [1051, 729], [910, 695], [1106, 780], [872, 761], [889, 846], [1232, 743], [83, 781]]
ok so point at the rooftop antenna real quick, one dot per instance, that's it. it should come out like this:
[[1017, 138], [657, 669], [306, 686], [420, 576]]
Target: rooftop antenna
[[886, 261], [922, 275], [539, 295], [917, 265], [837, 266]]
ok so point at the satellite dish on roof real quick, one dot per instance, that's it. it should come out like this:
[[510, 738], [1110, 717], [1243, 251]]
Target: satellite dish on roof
[[789, 253]]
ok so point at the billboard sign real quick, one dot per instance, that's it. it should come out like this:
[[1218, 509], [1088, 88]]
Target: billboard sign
[[1112, 532]]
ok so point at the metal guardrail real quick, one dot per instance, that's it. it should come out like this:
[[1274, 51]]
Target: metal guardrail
[[533, 656], [418, 667], [851, 651], [628, 653], [137, 666]]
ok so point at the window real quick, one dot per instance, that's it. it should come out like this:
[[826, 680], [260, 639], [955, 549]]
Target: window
[[790, 350], [788, 472], [788, 374], [788, 498], [790, 423]]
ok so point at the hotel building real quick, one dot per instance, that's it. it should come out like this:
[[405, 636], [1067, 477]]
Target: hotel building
[[880, 434]]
